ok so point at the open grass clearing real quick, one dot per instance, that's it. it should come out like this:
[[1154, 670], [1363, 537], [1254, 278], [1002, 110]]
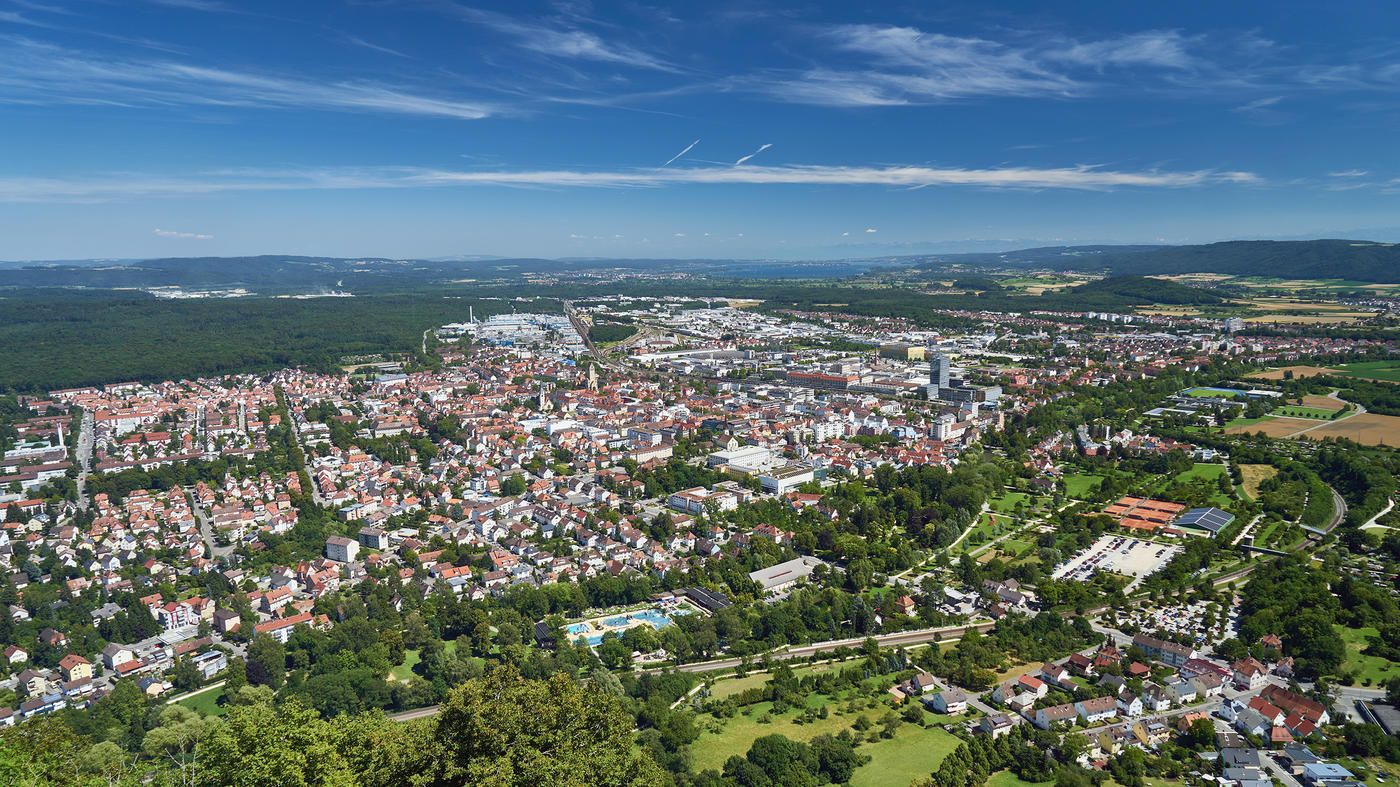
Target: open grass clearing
[[1370, 670], [737, 734], [912, 754], [206, 703], [1254, 475], [1082, 484]]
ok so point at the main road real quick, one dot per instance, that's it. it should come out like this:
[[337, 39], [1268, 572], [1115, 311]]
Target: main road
[[83, 451]]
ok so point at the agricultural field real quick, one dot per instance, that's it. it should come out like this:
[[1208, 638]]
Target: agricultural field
[[1323, 402], [1337, 318], [1386, 371], [1270, 427], [1299, 371], [1367, 429]]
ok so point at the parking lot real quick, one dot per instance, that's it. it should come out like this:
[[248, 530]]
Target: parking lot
[[1117, 554]]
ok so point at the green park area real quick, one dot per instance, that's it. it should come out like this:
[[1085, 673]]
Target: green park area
[[1082, 484], [206, 703], [1369, 670]]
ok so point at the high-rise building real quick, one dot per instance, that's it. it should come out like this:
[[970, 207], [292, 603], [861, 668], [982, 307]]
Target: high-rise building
[[939, 372]]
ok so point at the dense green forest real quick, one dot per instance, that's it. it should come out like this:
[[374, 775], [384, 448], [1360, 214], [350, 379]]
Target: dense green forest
[[1353, 260], [1309, 259], [63, 338], [56, 339]]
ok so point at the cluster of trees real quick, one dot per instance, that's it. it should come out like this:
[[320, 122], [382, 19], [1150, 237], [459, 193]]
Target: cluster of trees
[[497, 729], [777, 761], [1293, 599], [1022, 751]]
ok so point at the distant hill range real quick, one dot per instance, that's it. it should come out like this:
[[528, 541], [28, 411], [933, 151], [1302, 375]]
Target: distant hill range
[[1352, 260]]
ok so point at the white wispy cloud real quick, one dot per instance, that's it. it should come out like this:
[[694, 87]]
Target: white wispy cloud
[[688, 148], [209, 6], [373, 47], [160, 233], [1258, 104], [32, 72], [871, 229], [560, 39], [761, 148], [1349, 173], [1160, 48], [896, 65], [1081, 177]]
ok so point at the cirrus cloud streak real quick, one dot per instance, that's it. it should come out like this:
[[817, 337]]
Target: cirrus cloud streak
[[1082, 177]]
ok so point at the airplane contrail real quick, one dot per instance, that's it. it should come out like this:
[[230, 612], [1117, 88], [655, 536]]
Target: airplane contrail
[[762, 148], [682, 153]]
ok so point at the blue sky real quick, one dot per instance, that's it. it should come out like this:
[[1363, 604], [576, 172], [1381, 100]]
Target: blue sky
[[723, 129]]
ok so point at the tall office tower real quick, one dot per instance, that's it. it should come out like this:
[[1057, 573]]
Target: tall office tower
[[938, 374]]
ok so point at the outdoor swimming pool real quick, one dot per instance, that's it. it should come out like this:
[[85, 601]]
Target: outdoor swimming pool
[[592, 631]]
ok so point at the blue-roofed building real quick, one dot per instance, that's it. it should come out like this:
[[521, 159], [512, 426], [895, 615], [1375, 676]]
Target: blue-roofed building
[[1210, 520], [1319, 772]]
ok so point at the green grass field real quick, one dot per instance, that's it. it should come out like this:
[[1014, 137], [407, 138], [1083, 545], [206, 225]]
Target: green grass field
[[1009, 779], [728, 687], [1298, 411], [1374, 669], [206, 704], [1006, 503], [404, 672], [1374, 370], [411, 657], [1082, 484], [710, 750], [1213, 393], [910, 755], [1202, 470]]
